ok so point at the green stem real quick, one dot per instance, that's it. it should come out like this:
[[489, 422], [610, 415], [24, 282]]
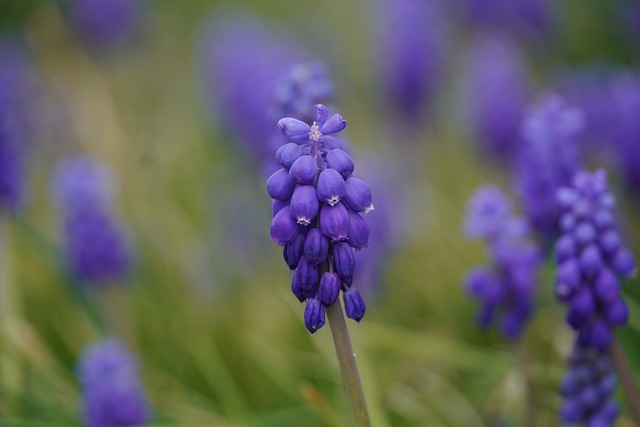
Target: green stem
[[625, 376], [530, 401], [348, 366]]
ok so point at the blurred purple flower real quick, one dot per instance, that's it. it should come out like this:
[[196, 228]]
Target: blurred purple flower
[[412, 45], [111, 390], [15, 117], [498, 88], [105, 23], [530, 18], [96, 248], [505, 288], [244, 63], [299, 89], [548, 160], [591, 260], [623, 129]]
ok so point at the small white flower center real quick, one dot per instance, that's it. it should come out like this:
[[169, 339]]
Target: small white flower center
[[315, 133]]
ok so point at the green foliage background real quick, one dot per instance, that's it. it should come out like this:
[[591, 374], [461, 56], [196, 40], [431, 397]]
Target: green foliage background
[[220, 338]]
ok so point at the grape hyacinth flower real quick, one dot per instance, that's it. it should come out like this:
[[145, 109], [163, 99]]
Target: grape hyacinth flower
[[318, 210], [243, 61], [591, 260], [505, 289], [547, 161], [588, 389], [496, 65], [112, 394], [15, 92], [95, 244], [105, 23], [412, 44]]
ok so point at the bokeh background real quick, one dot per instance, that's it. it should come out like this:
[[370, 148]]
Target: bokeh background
[[172, 98]]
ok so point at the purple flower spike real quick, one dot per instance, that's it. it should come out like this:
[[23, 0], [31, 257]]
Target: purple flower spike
[[505, 288], [317, 220], [589, 384], [354, 304], [548, 161], [283, 227], [112, 394], [593, 274], [304, 204], [497, 65], [358, 196], [331, 186], [96, 247], [340, 161], [316, 247], [303, 170], [334, 221], [344, 261], [314, 315], [280, 185], [329, 288]]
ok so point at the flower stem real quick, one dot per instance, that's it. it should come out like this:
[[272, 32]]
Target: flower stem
[[348, 367], [523, 366], [625, 375]]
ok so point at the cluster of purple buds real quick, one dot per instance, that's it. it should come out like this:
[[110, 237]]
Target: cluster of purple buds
[[588, 389], [591, 260], [95, 244], [317, 215], [112, 393], [506, 288]]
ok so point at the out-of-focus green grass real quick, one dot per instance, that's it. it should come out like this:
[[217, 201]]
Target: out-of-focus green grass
[[220, 338]]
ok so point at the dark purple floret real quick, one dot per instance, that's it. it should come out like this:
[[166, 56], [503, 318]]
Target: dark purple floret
[[97, 250], [15, 118], [112, 395], [316, 246], [588, 276], [588, 388], [315, 214], [548, 160], [505, 288], [354, 304], [314, 315]]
